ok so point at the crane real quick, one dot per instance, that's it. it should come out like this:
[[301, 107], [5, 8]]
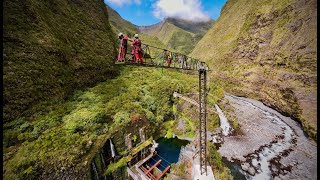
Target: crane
[[163, 58]]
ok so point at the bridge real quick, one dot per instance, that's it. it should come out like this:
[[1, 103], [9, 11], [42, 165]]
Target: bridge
[[163, 58]]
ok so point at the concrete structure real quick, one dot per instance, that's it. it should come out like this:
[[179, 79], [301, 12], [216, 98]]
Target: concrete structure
[[196, 174]]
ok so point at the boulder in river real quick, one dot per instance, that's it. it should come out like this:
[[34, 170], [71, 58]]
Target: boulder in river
[[245, 166], [277, 178], [254, 163], [252, 171]]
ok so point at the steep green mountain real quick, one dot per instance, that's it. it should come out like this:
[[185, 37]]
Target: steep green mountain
[[190, 26], [52, 48], [267, 50], [119, 24], [178, 34]]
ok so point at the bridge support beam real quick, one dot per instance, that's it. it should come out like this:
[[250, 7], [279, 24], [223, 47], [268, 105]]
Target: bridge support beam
[[203, 118]]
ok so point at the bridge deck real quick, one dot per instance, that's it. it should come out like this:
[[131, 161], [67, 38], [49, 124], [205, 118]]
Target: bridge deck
[[152, 65]]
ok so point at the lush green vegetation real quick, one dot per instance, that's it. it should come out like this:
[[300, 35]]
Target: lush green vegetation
[[181, 170], [52, 123], [138, 148], [53, 51], [169, 125], [72, 132], [115, 166], [123, 161], [52, 48], [220, 170]]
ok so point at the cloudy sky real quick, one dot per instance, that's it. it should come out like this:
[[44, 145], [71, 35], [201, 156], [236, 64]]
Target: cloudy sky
[[147, 12]]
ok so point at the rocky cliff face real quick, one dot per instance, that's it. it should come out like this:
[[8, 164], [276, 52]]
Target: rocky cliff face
[[52, 48], [267, 50]]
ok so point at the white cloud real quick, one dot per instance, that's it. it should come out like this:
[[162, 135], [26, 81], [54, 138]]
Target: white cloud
[[122, 2], [184, 9]]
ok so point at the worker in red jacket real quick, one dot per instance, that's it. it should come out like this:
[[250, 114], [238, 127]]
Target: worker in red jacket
[[168, 55], [133, 57], [137, 49], [123, 47]]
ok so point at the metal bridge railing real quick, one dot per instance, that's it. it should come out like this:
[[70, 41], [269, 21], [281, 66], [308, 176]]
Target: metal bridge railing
[[159, 57]]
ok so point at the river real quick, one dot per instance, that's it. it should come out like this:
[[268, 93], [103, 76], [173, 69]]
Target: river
[[270, 145]]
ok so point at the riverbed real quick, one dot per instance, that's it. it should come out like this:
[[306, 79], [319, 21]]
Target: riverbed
[[270, 145]]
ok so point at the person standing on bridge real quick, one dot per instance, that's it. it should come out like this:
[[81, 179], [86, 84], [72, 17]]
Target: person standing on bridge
[[123, 47], [168, 55], [137, 49]]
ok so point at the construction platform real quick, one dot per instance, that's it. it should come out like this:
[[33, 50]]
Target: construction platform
[[141, 171], [196, 174]]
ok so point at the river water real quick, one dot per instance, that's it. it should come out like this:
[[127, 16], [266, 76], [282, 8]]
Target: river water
[[168, 150], [224, 124], [271, 146]]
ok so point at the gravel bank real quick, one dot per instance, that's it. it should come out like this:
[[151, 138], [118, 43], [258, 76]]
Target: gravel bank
[[271, 146]]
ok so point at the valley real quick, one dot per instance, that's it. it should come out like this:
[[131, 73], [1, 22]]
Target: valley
[[72, 112]]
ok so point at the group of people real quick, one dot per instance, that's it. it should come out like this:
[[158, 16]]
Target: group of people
[[136, 53]]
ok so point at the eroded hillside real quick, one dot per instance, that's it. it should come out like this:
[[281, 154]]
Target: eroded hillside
[[267, 50]]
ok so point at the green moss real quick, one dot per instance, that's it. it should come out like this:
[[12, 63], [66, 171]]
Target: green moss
[[141, 146], [168, 126], [123, 161], [213, 122], [190, 125], [114, 166]]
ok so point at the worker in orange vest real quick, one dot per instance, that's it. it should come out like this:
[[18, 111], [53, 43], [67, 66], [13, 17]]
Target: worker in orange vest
[[123, 47], [137, 49]]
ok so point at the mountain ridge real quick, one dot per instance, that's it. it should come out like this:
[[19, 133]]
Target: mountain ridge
[[178, 34], [119, 24], [267, 50]]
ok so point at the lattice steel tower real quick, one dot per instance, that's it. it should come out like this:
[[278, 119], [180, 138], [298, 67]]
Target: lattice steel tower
[[203, 118]]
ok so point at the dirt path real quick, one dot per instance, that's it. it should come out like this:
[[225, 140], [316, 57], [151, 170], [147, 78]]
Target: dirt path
[[272, 146]]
